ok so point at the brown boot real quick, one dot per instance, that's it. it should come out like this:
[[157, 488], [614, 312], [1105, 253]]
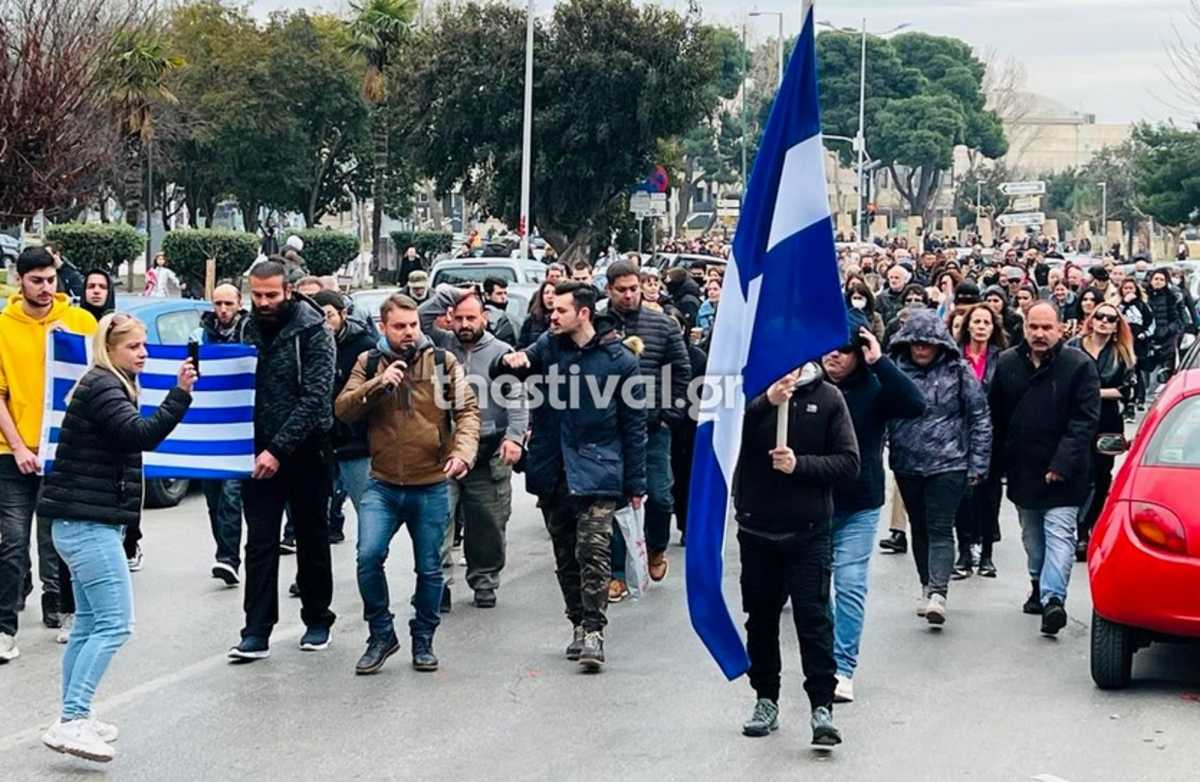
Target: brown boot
[[617, 591], [659, 566]]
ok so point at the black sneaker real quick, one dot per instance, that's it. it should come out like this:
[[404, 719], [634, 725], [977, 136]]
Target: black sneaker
[[423, 658], [316, 638], [249, 650], [591, 656], [287, 546], [1033, 605], [575, 648], [1054, 617], [226, 572], [378, 651], [824, 734], [895, 543], [447, 606], [294, 589], [1081, 548], [987, 568], [485, 598], [962, 568]]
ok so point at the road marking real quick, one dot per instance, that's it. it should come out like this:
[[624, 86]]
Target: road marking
[[14, 740], [1049, 778]]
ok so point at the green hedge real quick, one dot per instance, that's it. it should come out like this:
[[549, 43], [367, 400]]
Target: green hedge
[[188, 249], [428, 243], [325, 251], [94, 246]]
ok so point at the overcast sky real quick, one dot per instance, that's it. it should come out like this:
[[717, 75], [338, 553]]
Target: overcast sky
[[1102, 57]]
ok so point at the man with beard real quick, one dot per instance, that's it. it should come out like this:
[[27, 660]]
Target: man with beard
[[99, 298], [292, 419], [29, 316], [225, 324]]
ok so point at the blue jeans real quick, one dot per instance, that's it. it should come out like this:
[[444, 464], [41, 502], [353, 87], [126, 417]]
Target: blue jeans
[[103, 607], [1049, 538], [349, 482], [384, 508], [224, 500], [853, 542]]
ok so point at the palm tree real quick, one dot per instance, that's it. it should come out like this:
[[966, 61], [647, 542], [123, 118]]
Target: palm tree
[[134, 79], [377, 32]]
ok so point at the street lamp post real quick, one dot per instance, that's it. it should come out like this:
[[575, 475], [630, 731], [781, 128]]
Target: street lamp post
[[860, 146], [743, 112], [779, 52], [527, 132], [1104, 217]]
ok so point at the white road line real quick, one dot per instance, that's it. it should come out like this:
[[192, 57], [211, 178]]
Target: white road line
[[1048, 778], [14, 740]]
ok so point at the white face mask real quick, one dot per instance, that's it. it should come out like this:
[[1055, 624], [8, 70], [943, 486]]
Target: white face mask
[[858, 303]]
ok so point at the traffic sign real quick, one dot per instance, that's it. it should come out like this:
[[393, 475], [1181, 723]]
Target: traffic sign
[[1023, 188], [1022, 219], [1026, 203], [658, 204], [639, 203]]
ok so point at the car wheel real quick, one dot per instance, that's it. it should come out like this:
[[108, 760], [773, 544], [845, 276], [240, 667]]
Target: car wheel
[[166, 492], [1113, 646]]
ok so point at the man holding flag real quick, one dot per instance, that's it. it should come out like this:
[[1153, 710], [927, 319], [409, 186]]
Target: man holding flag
[[781, 306]]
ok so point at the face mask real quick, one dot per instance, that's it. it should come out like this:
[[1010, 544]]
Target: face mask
[[858, 303]]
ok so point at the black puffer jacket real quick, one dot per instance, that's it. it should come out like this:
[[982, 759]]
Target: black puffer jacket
[[687, 297], [531, 329], [663, 346], [97, 473], [294, 383], [350, 440]]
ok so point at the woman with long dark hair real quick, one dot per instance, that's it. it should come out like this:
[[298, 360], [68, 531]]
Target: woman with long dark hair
[[91, 496], [538, 320], [1107, 338], [977, 522], [859, 297], [1140, 318]]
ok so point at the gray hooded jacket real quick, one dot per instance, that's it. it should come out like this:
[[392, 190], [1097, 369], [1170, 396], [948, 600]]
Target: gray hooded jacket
[[955, 433]]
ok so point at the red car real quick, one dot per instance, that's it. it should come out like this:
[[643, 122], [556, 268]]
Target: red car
[[1144, 556]]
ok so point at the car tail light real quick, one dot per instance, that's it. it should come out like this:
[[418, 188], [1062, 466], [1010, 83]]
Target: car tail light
[[1158, 527]]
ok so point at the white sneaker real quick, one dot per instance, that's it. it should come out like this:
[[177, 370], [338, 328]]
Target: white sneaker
[[78, 738], [8, 648], [935, 612], [107, 732], [64, 632], [844, 691]]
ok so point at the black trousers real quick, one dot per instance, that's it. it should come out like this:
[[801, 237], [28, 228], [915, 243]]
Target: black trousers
[[773, 571], [303, 483], [978, 517], [1102, 475]]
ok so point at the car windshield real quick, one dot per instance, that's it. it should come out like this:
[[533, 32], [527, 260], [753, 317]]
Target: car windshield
[[458, 275], [1176, 441]]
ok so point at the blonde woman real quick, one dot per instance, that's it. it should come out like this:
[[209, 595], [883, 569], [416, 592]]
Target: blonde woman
[[1108, 339], [93, 492]]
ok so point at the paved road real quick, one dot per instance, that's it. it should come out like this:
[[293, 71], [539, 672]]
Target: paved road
[[984, 699]]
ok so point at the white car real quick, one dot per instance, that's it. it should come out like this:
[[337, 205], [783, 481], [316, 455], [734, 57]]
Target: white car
[[459, 270]]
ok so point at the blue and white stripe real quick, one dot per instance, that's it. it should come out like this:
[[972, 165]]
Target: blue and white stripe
[[781, 306], [215, 440]]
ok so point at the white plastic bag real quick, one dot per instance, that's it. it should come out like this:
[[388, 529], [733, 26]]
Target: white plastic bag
[[632, 526]]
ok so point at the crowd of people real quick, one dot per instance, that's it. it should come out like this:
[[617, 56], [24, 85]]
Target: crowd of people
[[973, 372]]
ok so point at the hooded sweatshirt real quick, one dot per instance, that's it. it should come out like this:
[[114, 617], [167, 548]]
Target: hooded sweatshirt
[[110, 303], [23, 358]]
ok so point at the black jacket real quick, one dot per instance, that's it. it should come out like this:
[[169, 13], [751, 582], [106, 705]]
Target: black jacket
[[211, 333], [663, 347], [531, 330], [350, 440], [686, 297], [599, 448], [821, 434], [110, 303], [499, 323], [70, 280], [874, 395], [294, 383], [97, 473], [1046, 419]]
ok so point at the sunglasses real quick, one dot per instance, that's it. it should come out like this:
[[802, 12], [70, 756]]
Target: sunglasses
[[1106, 317]]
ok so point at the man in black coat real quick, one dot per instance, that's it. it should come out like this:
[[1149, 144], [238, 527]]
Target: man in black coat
[[292, 419], [783, 497], [1046, 407], [664, 360], [685, 294]]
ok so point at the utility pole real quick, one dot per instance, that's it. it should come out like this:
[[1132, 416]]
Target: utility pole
[[527, 132]]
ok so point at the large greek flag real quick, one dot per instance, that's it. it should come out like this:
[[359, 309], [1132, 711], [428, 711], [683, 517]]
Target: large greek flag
[[215, 438], [781, 306]]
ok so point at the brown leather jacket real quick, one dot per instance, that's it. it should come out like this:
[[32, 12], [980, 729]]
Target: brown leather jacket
[[410, 436]]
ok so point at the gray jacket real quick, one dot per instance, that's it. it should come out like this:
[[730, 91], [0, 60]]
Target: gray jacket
[[503, 410], [955, 432]]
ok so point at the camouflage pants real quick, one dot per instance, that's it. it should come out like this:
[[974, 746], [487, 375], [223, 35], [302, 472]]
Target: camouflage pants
[[581, 530]]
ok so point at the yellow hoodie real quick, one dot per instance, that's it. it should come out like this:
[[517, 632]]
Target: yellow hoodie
[[23, 361]]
